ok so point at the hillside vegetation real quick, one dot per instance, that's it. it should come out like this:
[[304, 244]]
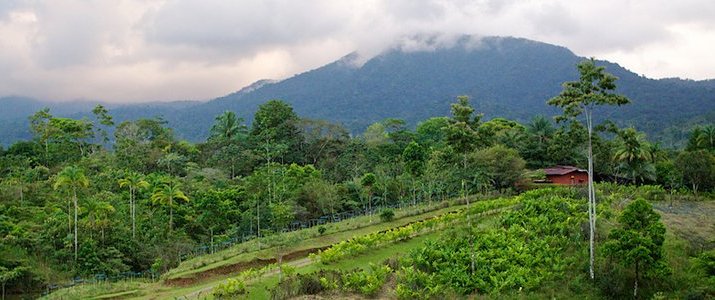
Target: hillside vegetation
[[77, 206]]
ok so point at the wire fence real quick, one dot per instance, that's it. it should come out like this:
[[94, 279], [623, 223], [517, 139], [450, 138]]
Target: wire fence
[[249, 235], [102, 278], [208, 248]]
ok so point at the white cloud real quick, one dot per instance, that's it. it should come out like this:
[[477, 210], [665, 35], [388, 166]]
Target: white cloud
[[135, 50]]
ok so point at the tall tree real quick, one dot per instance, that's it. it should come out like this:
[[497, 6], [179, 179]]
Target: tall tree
[[414, 157], [167, 194], [74, 179], [276, 124], [134, 182], [463, 137], [102, 115], [595, 87], [40, 125], [367, 181]]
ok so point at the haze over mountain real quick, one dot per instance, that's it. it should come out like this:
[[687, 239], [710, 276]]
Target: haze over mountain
[[505, 77]]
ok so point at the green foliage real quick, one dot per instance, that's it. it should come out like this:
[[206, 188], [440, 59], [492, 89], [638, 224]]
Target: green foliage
[[366, 282], [371, 241], [229, 289], [698, 169], [525, 251], [387, 215], [639, 242]]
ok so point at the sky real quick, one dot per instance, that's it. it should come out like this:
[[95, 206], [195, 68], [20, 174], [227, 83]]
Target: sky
[[157, 50]]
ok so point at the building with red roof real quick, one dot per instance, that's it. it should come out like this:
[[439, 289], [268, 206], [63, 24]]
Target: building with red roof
[[566, 175]]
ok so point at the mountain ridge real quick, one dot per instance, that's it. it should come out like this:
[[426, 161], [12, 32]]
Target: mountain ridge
[[505, 77]]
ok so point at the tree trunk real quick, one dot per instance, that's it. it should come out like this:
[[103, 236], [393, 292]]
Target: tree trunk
[[258, 223], [635, 285], [171, 214], [591, 196], [74, 197], [132, 211], [369, 203]]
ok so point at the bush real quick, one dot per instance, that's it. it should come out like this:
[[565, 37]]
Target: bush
[[228, 290], [321, 229], [387, 215]]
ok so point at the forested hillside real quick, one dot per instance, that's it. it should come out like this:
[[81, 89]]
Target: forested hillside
[[505, 77]]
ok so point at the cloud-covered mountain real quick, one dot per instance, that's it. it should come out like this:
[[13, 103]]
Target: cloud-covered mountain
[[505, 77]]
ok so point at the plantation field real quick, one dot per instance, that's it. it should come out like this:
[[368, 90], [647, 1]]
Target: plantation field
[[529, 246], [200, 274]]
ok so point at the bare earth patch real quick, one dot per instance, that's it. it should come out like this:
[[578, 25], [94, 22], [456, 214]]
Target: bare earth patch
[[693, 221]]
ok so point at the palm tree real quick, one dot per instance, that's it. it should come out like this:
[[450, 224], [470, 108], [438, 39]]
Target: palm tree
[[72, 178], [634, 154], [227, 127], [166, 194], [98, 213], [706, 138], [135, 182]]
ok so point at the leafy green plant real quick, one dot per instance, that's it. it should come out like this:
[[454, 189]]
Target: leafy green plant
[[387, 215], [366, 282], [231, 288]]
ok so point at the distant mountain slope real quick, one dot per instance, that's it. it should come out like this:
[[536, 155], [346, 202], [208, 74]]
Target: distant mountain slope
[[506, 77]]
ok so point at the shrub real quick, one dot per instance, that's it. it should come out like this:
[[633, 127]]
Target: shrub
[[321, 229], [387, 215], [228, 290]]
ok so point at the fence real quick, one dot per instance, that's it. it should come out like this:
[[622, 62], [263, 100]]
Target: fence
[[99, 278], [208, 248], [218, 246]]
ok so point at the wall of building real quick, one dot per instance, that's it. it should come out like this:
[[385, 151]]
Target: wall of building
[[570, 178]]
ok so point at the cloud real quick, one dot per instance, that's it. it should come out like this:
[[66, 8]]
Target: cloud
[[136, 50]]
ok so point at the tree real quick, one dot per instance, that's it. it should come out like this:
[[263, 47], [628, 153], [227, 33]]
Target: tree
[[504, 167], [10, 274], [98, 213], [105, 119], [633, 153], [167, 194], [227, 128], [367, 181], [414, 157], [702, 138], [593, 88], [698, 169], [639, 241], [275, 123], [40, 125], [74, 179], [540, 132], [135, 182]]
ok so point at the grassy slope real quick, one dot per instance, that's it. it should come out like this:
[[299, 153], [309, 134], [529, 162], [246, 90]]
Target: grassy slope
[[690, 229], [689, 226], [202, 264], [340, 231]]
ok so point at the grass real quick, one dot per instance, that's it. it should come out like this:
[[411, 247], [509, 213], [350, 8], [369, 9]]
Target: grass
[[101, 290], [312, 239], [261, 289], [336, 232]]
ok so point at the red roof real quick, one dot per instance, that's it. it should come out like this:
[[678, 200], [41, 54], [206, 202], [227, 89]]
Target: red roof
[[562, 170]]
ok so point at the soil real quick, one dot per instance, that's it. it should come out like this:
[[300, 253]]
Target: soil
[[235, 268]]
